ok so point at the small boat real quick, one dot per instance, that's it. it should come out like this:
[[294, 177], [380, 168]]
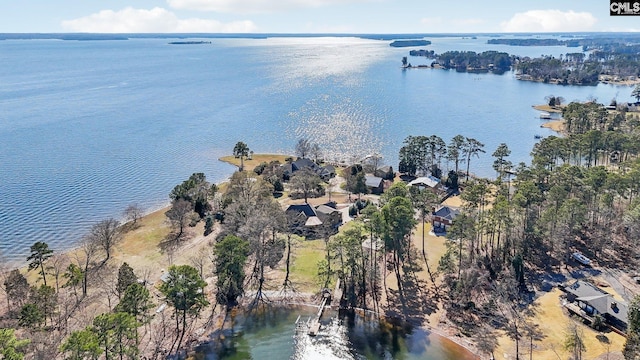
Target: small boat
[[545, 116], [537, 136]]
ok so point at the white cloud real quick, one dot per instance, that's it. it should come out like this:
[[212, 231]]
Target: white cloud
[[255, 6], [130, 20], [549, 21]]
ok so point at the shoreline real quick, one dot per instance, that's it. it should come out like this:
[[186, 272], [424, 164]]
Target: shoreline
[[141, 251], [554, 124], [305, 300]]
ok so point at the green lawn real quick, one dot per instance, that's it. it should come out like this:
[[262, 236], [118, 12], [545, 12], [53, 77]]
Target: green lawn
[[304, 269]]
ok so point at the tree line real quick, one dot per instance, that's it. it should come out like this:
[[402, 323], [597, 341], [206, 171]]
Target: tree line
[[525, 221], [495, 61], [426, 154], [572, 197]]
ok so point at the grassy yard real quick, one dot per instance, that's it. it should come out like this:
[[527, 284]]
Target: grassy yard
[[256, 160], [304, 268], [553, 322]]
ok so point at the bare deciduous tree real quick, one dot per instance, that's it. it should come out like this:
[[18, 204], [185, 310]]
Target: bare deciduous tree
[[105, 235], [133, 213], [179, 216], [306, 182], [85, 258], [57, 265], [303, 148], [199, 261]]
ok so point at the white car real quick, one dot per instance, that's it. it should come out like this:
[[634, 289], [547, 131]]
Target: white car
[[581, 258]]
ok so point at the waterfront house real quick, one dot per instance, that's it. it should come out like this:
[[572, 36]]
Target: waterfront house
[[385, 172], [328, 214], [428, 182], [443, 218], [310, 221], [325, 172], [375, 184], [592, 300]]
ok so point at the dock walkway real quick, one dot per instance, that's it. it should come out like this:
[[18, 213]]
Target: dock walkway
[[327, 298]]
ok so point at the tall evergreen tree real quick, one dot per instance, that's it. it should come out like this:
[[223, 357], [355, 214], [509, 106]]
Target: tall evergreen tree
[[126, 277], [40, 252], [230, 258], [241, 150], [81, 345], [183, 290], [10, 347], [471, 148]]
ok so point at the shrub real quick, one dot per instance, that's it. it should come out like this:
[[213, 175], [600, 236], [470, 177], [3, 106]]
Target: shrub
[[353, 210], [260, 168]]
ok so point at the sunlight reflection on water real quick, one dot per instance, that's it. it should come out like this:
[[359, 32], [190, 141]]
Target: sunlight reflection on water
[[342, 128]]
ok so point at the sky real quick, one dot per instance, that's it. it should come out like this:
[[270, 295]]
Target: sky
[[310, 16]]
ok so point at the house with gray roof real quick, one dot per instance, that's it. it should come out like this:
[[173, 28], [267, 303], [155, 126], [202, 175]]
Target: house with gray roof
[[325, 172], [374, 184], [595, 301], [310, 221], [443, 218]]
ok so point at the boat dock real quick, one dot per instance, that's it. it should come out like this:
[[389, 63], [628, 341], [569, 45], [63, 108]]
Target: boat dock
[[337, 295], [314, 326], [327, 298]]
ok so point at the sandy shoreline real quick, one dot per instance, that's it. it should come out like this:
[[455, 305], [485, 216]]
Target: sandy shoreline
[[555, 125]]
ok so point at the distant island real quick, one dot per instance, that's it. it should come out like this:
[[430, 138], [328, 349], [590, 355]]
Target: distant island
[[609, 60], [189, 42], [409, 43], [534, 42], [466, 61]]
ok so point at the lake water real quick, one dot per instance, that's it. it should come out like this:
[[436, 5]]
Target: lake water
[[274, 337], [88, 127]]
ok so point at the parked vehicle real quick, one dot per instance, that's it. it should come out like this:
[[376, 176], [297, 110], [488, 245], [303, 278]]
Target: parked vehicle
[[577, 256]]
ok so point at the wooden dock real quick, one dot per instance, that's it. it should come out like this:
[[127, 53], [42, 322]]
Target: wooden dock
[[337, 295], [327, 298], [314, 326]]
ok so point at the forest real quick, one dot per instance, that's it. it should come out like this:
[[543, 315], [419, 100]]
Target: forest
[[616, 58], [516, 232], [494, 61]]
